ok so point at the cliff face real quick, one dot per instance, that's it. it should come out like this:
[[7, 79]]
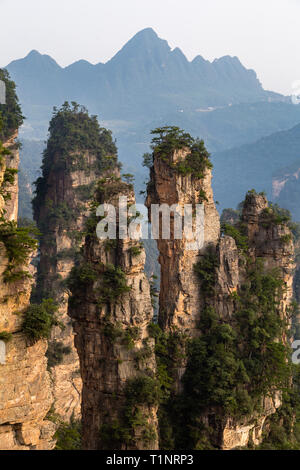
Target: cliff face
[[71, 165], [223, 297], [57, 254], [25, 394], [179, 299], [269, 240], [111, 310], [12, 161]]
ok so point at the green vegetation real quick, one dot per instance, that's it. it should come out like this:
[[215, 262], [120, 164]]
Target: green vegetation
[[5, 336], [276, 215], [136, 250], [9, 178], [284, 426], [74, 135], [109, 187], [3, 152], [11, 117], [81, 276], [110, 245], [129, 179], [140, 392], [38, 320], [130, 336], [168, 139], [148, 160], [19, 244], [113, 284], [127, 337], [286, 239], [111, 330], [170, 351], [61, 214], [236, 232], [141, 356], [68, 436], [206, 271], [231, 366], [196, 162], [154, 293], [86, 191]]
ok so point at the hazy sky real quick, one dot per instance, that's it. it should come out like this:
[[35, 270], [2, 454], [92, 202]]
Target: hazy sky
[[264, 34]]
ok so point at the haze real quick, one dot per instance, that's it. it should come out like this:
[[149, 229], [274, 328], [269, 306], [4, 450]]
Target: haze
[[264, 34]]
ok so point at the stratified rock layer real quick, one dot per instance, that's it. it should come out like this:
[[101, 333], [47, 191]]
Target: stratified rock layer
[[57, 256], [182, 296], [179, 299], [110, 322], [25, 392]]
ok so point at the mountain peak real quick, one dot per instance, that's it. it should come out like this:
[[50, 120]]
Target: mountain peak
[[147, 33], [33, 53], [145, 41], [36, 61]]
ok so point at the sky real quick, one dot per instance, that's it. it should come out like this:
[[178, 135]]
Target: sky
[[264, 34]]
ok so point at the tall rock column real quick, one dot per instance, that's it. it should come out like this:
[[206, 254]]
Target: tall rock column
[[224, 308], [269, 240], [179, 299], [111, 310], [77, 153]]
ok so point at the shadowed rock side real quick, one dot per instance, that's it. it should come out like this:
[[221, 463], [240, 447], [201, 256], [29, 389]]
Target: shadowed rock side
[[232, 286], [111, 310], [76, 154], [25, 393]]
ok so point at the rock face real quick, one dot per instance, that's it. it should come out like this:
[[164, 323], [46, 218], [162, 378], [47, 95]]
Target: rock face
[[56, 262], [25, 393], [70, 168], [179, 299], [111, 310], [186, 296], [12, 161], [271, 243]]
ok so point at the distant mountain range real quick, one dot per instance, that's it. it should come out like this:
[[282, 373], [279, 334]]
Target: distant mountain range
[[147, 84], [145, 76]]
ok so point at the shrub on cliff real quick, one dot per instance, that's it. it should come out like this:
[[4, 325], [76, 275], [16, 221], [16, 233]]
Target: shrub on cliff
[[68, 436], [11, 117], [5, 336], [38, 320], [19, 244], [168, 139]]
